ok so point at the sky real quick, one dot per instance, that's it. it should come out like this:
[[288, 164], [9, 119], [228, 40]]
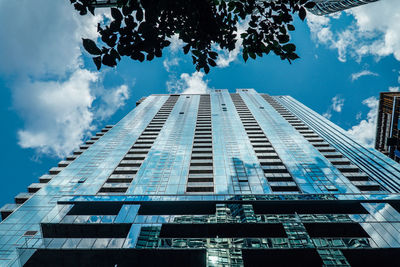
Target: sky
[[52, 98]]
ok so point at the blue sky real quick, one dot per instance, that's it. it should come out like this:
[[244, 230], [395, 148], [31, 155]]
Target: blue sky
[[52, 98]]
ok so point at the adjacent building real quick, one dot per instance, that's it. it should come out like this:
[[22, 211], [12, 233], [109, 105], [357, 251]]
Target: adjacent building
[[388, 127], [325, 7], [218, 179]]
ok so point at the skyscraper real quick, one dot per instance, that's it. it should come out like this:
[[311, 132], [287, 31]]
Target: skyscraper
[[324, 7], [387, 128], [217, 179]]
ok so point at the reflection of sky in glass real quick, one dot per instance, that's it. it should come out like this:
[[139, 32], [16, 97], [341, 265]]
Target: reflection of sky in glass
[[311, 170], [379, 167], [165, 168], [237, 173], [230, 141], [94, 165]]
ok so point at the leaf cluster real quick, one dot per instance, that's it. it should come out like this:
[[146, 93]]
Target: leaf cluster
[[140, 29]]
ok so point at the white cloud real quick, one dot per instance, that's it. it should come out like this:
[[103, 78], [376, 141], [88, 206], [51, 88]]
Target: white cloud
[[40, 55], [57, 114], [380, 20], [111, 100], [359, 115], [321, 32], [375, 31], [358, 75], [225, 58], [176, 43], [364, 132], [395, 88], [42, 37], [337, 104], [168, 63], [189, 84], [327, 114], [320, 28]]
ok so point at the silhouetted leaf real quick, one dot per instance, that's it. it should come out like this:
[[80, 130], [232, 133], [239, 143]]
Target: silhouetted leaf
[[158, 53], [139, 14], [127, 10], [309, 5], [290, 27], [115, 54], [252, 55], [81, 8], [197, 53], [206, 69], [150, 56], [213, 55], [211, 62], [115, 25], [302, 13], [130, 22], [245, 56], [293, 56], [97, 62], [109, 60], [283, 38], [91, 9], [186, 48], [91, 47], [289, 47], [116, 14], [206, 28], [141, 57]]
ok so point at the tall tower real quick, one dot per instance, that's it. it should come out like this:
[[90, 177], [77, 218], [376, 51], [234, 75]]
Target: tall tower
[[217, 179], [388, 127], [324, 7]]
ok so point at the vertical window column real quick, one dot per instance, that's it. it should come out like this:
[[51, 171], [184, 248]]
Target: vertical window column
[[120, 180], [275, 171], [350, 171], [201, 178]]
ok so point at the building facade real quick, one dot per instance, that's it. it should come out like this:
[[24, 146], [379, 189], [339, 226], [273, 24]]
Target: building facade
[[218, 179], [388, 128], [325, 7]]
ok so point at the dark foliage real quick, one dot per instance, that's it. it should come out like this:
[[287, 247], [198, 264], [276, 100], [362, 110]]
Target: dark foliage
[[140, 28]]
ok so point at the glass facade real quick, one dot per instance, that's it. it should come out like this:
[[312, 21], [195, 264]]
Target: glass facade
[[324, 7], [387, 138], [218, 179]]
